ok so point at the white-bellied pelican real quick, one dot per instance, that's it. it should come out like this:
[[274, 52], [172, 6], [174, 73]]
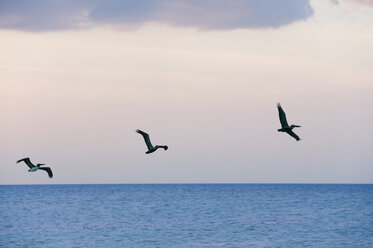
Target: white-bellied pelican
[[36, 167], [284, 124], [151, 148]]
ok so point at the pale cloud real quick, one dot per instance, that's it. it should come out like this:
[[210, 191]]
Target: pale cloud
[[366, 2], [363, 2], [40, 15], [72, 100]]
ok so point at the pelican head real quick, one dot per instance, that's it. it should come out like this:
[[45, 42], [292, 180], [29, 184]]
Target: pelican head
[[38, 165], [293, 126]]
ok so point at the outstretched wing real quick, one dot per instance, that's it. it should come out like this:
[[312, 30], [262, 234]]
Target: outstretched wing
[[282, 116], [48, 170], [292, 134], [27, 161], [146, 138]]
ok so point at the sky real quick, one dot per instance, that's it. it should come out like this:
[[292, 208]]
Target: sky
[[77, 78]]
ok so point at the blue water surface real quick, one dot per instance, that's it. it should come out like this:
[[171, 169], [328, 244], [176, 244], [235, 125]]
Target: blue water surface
[[191, 215]]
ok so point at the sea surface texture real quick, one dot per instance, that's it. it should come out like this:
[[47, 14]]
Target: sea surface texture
[[222, 215]]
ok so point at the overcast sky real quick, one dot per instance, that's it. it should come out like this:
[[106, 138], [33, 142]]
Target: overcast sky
[[77, 78]]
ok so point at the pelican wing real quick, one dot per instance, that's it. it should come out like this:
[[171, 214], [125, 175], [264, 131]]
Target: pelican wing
[[292, 134], [48, 170], [282, 116], [146, 138], [27, 161]]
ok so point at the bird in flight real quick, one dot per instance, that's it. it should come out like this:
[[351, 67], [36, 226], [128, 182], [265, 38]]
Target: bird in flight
[[36, 167], [284, 124], [151, 148]]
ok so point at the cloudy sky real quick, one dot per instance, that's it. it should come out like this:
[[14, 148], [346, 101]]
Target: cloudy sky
[[77, 78]]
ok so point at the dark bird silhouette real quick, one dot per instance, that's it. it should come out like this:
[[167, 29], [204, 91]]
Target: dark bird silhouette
[[36, 167], [284, 124], [151, 148]]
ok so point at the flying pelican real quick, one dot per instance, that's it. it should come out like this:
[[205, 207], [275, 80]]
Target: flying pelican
[[284, 124], [36, 167], [151, 148]]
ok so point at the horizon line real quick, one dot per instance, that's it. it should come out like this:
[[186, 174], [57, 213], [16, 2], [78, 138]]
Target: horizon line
[[61, 184]]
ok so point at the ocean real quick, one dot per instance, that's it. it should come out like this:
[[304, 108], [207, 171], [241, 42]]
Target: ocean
[[186, 215]]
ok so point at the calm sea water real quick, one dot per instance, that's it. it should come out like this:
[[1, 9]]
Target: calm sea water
[[248, 215]]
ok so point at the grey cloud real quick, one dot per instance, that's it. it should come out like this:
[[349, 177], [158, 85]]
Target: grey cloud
[[44, 15]]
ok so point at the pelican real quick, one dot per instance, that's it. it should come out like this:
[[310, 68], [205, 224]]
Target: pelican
[[36, 167], [151, 148], [284, 124]]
